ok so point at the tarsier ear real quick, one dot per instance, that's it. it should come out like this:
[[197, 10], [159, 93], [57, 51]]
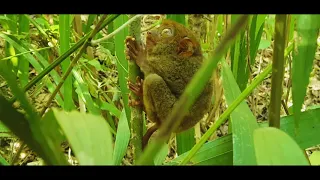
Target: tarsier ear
[[185, 47]]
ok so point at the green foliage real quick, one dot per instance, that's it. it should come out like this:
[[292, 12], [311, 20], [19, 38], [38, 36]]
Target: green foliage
[[89, 136], [242, 120], [105, 140], [122, 139], [122, 63], [274, 147], [64, 29], [308, 32]]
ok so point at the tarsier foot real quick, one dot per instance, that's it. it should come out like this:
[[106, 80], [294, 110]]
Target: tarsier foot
[[136, 88], [133, 102]]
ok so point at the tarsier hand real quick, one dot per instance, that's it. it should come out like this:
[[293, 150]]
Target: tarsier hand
[[170, 59]]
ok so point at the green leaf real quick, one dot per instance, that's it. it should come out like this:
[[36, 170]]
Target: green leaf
[[83, 91], [309, 128], [89, 136], [256, 30], [3, 161], [275, 147], [180, 18], [315, 158], [161, 156], [28, 129], [185, 141], [23, 62], [91, 18], [308, 31], [42, 21], [242, 119], [217, 152], [122, 139], [52, 127], [122, 63], [3, 128], [313, 107], [264, 44], [95, 63], [64, 28], [111, 108]]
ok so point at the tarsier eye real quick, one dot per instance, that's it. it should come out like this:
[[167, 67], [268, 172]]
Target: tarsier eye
[[166, 32]]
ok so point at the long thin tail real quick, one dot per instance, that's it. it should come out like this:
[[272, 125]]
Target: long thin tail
[[147, 136]]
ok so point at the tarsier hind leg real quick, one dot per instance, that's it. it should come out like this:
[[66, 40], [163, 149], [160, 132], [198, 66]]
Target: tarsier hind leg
[[158, 99]]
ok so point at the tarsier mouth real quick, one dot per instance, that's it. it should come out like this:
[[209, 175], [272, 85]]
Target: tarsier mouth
[[151, 39]]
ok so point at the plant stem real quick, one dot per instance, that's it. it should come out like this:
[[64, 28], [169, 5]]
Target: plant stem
[[136, 111], [132, 19], [278, 70]]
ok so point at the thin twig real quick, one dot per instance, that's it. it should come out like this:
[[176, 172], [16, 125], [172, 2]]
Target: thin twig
[[95, 42]]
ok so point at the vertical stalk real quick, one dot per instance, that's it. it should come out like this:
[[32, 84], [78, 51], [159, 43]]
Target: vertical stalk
[[277, 70], [136, 111]]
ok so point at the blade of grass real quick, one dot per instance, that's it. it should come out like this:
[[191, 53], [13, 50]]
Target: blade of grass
[[303, 57], [111, 108], [122, 64], [242, 120], [3, 161], [91, 18], [64, 29], [110, 43], [122, 139], [23, 62], [27, 52], [161, 156], [239, 63], [217, 152], [83, 91], [13, 30], [185, 140], [256, 29]]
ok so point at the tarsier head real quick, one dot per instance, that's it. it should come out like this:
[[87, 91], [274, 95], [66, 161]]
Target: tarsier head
[[172, 38]]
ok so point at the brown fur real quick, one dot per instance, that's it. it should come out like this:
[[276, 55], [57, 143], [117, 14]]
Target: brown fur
[[169, 63]]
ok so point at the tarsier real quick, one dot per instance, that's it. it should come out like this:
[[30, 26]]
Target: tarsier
[[170, 58]]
